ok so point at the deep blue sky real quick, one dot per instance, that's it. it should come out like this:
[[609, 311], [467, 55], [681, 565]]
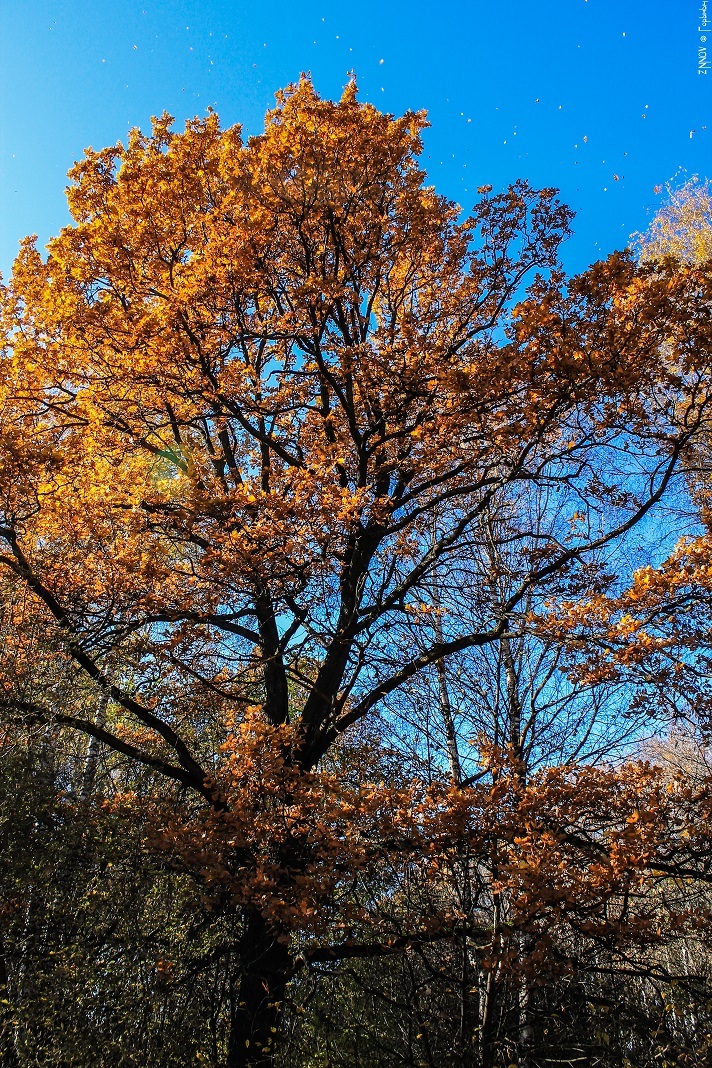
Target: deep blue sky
[[568, 93]]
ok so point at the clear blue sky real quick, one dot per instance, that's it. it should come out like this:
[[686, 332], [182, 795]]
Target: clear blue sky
[[568, 93]]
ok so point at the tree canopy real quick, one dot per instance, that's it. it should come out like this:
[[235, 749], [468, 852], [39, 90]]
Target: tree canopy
[[286, 439]]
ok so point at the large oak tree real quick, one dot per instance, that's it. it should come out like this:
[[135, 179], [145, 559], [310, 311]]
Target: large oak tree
[[256, 400]]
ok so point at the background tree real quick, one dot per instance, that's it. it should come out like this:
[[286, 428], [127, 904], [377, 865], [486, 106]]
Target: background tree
[[682, 227]]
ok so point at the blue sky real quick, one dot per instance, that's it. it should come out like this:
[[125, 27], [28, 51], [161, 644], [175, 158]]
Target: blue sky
[[596, 97]]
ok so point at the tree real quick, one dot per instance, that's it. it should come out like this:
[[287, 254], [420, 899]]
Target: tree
[[656, 631], [682, 227], [239, 395]]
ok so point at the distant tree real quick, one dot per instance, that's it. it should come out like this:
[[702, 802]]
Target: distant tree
[[682, 226]]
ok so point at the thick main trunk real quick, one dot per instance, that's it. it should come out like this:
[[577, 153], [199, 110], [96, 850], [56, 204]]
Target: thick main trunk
[[265, 963]]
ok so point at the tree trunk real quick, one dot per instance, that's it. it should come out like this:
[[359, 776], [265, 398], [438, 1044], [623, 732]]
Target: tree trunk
[[466, 1022], [453, 754], [489, 1019], [8, 1030], [490, 986], [94, 747], [524, 1033], [265, 963]]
